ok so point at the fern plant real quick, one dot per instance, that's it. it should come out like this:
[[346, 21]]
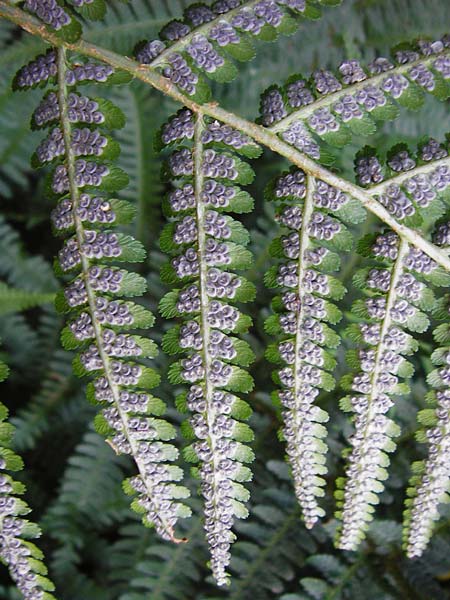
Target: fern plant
[[397, 291]]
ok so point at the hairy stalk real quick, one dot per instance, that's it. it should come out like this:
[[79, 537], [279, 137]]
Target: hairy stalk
[[257, 132], [85, 264]]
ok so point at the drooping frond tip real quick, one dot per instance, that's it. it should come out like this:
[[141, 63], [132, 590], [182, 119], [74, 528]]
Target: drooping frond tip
[[397, 299], [207, 246], [313, 214], [430, 482], [23, 558]]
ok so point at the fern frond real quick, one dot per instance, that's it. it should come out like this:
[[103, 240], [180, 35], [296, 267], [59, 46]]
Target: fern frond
[[308, 256], [331, 107], [83, 211], [413, 186], [22, 557], [207, 247], [207, 40], [430, 483], [396, 299]]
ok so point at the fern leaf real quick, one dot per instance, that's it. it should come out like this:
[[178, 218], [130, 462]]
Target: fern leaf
[[207, 40], [203, 253], [308, 254], [98, 321], [394, 299], [23, 558], [429, 484], [331, 108]]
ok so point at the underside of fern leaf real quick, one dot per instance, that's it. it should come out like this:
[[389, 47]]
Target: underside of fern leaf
[[395, 300], [207, 40], [331, 108], [207, 245], [23, 558], [308, 256], [82, 180], [317, 210], [430, 483]]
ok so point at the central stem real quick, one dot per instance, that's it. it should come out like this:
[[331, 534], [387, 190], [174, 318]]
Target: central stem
[[303, 245], [210, 413]]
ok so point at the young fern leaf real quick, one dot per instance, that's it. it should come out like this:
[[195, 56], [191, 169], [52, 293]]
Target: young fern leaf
[[207, 246], [330, 108], [207, 40], [395, 300], [307, 257], [430, 484], [131, 418], [23, 558]]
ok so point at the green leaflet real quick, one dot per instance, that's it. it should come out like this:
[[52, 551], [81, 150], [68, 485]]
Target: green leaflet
[[303, 208], [98, 321], [186, 40], [33, 565], [205, 247], [330, 108]]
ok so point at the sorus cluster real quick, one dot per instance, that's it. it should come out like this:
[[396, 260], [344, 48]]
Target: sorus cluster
[[48, 11], [90, 209], [81, 109], [84, 143]]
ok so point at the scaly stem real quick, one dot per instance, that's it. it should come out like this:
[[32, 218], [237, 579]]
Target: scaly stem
[[257, 132]]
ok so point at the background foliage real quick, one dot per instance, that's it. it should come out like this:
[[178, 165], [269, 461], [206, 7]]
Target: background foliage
[[96, 547]]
